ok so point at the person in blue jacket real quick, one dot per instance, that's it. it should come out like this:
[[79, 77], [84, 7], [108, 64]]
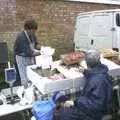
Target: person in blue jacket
[[96, 97]]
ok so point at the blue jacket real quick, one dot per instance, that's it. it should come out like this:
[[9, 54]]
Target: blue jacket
[[22, 45], [97, 94]]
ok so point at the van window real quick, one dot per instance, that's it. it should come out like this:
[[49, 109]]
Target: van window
[[118, 19]]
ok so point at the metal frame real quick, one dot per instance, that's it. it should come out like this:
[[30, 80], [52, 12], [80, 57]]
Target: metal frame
[[114, 2]]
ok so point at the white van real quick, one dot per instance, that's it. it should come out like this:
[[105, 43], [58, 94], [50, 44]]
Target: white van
[[98, 29]]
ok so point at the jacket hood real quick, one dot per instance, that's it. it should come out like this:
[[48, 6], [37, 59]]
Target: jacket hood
[[101, 69]]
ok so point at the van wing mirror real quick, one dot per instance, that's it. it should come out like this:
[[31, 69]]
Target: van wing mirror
[[118, 19]]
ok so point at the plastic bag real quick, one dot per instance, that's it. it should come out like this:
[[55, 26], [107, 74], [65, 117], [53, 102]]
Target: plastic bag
[[43, 110]]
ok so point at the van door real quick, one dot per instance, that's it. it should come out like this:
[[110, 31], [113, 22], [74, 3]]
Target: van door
[[101, 30], [81, 34], [116, 35]]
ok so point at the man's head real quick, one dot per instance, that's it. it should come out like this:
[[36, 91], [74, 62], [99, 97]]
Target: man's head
[[92, 58], [30, 25]]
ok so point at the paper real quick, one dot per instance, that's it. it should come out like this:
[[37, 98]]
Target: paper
[[46, 50], [45, 59]]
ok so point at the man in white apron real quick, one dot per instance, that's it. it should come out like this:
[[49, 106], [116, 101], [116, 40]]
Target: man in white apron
[[26, 47]]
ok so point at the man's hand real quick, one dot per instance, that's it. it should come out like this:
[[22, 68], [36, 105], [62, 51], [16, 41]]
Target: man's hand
[[36, 52], [68, 104]]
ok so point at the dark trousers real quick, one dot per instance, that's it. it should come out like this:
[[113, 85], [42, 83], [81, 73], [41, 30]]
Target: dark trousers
[[73, 114]]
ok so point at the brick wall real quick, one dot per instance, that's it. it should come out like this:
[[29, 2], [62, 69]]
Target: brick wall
[[56, 20]]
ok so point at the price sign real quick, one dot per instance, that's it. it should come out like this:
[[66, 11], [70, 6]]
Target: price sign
[[10, 75]]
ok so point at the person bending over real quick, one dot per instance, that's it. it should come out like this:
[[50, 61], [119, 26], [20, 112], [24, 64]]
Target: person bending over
[[96, 96]]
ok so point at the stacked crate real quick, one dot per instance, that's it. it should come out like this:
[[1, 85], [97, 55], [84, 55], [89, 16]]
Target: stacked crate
[[3, 59]]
